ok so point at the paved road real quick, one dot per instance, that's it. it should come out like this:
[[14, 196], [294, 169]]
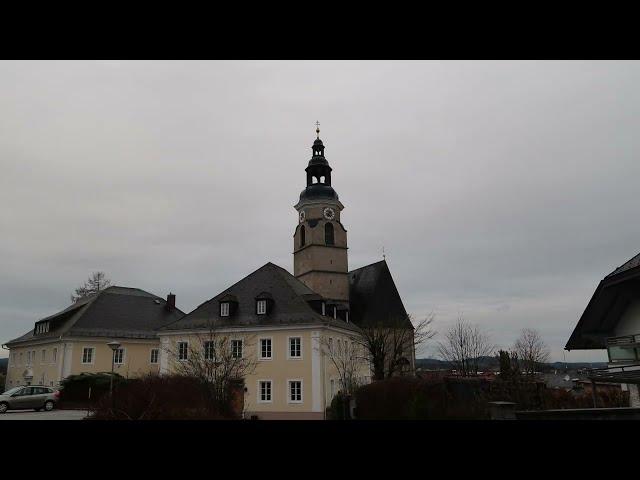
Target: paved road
[[52, 415]]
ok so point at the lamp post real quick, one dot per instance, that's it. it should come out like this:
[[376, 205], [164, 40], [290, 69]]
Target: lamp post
[[113, 346]]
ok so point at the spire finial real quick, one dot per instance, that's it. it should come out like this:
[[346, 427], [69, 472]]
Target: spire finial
[[318, 129], [384, 257]]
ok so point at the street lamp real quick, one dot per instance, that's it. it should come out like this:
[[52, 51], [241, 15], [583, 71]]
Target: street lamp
[[113, 346]]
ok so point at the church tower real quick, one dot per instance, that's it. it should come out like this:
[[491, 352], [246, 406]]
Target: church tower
[[320, 239]]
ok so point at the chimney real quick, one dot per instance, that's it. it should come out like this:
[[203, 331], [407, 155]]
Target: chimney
[[171, 302]]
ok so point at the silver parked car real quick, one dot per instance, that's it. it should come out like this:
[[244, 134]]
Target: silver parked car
[[36, 397]]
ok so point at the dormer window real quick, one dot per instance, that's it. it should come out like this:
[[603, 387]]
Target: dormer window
[[264, 303], [262, 307], [42, 327], [224, 309]]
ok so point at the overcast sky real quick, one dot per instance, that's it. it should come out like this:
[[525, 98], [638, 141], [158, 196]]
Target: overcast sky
[[501, 191]]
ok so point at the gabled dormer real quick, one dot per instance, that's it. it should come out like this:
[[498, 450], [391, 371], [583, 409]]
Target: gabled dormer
[[264, 303], [41, 327], [228, 305]]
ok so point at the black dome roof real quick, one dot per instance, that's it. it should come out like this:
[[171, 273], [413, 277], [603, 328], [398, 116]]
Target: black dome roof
[[318, 191]]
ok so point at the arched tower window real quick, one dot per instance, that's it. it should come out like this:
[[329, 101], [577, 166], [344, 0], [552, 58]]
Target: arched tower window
[[328, 234], [302, 239]]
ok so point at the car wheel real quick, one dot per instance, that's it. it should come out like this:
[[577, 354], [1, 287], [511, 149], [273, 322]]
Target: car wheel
[[4, 407], [48, 405]]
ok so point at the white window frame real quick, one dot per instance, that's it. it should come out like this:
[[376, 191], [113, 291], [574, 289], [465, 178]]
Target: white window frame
[[260, 357], [180, 352], [289, 357], [259, 390], [225, 307], [93, 355], [123, 359], [241, 347], [261, 303], [157, 351], [213, 350], [289, 382]]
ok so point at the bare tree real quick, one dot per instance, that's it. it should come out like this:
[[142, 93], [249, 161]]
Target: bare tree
[[531, 350], [392, 345], [464, 345], [348, 357], [97, 282], [217, 361]]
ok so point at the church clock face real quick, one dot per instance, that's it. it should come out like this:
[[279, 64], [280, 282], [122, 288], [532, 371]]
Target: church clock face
[[302, 216], [329, 213]]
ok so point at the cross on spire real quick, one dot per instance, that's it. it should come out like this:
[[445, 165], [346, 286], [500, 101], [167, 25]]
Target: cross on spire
[[318, 128]]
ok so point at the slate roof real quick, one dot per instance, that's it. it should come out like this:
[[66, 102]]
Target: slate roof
[[374, 298], [628, 265], [290, 304], [114, 312]]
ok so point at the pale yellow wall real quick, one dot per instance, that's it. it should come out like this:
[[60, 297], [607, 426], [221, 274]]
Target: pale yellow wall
[[48, 368], [137, 357], [279, 369], [136, 361]]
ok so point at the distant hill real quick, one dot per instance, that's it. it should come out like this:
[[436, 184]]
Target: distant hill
[[492, 362], [3, 365]]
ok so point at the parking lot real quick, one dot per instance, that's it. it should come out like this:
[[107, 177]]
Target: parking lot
[[52, 415]]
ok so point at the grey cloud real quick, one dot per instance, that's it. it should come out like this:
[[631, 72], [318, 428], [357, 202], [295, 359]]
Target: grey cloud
[[502, 190]]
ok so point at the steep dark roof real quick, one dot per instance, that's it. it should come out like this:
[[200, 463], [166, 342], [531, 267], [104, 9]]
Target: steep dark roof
[[628, 265], [374, 298], [290, 304], [113, 312], [609, 302]]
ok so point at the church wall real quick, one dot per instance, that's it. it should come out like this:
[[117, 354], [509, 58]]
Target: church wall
[[320, 258], [333, 286]]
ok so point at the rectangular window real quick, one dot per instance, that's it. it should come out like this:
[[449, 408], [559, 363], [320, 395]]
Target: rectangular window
[[44, 356], [55, 355], [236, 348], [87, 354], [295, 391], [209, 350], [265, 390], [262, 307], [295, 347], [118, 356], [20, 363], [154, 355], [224, 309], [28, 358], [183, 348], [265, 348]]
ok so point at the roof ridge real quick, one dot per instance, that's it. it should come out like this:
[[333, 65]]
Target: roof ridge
[[366, 266]]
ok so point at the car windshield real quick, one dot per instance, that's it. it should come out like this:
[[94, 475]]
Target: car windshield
[[12, 391]]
